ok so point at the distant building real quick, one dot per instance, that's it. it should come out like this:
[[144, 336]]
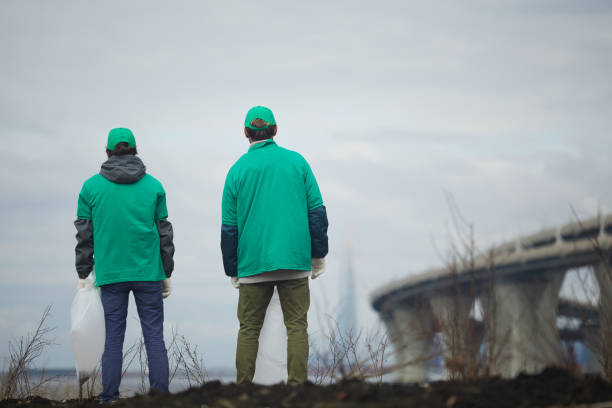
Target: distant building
[[347, 315]]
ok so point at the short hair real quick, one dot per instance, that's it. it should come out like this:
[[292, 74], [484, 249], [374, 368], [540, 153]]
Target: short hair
[[122, 149], [260, 134]]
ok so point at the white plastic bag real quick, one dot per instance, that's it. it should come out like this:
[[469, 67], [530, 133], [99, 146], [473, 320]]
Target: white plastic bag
[[271, 363], [87, 330]]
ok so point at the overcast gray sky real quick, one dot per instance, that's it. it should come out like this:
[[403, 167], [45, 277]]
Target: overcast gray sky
[[506, 105]]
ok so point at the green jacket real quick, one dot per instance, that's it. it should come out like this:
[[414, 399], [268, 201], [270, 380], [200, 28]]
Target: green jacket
[[124, 207], [267, 196]]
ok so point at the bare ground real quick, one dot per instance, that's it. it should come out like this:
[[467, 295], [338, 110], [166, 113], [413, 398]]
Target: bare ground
[[552, 388]]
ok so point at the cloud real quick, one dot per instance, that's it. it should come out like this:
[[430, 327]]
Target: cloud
[[504, 105]]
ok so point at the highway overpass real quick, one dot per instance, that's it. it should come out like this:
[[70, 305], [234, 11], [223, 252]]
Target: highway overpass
[[516, 286]]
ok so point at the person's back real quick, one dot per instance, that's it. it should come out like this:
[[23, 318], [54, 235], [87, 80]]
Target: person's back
[[277, 189], [125, 203], [122, 226], [273, 234]]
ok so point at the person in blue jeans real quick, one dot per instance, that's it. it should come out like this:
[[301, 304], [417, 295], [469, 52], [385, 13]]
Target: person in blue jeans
[[122, 226]]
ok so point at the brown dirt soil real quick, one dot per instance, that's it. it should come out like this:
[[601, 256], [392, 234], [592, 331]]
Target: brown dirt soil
[[552, 388]]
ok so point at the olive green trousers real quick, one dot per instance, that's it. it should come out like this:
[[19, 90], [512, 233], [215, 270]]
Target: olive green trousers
[[252, 305]]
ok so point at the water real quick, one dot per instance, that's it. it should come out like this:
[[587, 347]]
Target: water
[[62, 384]]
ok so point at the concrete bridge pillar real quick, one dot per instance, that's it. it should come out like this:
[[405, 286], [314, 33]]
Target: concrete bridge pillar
[[603, 273], [522, 314], [452, 312], [601, 343], [411, 331]]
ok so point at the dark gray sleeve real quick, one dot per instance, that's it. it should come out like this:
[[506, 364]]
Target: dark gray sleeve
[[166, 244], [84, 251], [317, 223], [229, 249]]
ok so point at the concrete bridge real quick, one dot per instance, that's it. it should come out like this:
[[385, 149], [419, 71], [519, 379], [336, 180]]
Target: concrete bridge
[[516, 287]]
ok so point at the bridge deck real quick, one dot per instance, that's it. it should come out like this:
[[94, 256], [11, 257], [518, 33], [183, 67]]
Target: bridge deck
[[571, 246]]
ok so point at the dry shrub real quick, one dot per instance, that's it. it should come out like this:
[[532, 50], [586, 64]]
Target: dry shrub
[[184, 358], [350, 355], [92, 386], [188, 360], [15, 382], [472, 348]]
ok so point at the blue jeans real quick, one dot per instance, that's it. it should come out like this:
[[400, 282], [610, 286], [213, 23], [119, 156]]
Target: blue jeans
[[150, 306]]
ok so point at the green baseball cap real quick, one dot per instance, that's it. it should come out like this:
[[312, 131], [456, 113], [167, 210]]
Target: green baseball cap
[[259, 112], [119, 135]]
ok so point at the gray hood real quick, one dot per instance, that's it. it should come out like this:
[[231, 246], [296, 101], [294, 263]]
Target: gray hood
[[126, 169]]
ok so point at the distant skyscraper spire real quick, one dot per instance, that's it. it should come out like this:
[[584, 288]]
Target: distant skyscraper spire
[[347, 314]]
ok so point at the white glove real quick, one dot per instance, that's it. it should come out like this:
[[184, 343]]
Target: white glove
[[318, 267], [166, 288], [81, 284], [235, 282]]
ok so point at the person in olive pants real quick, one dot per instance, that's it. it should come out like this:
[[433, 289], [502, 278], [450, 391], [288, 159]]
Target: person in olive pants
[[254, 298], [273, 234]]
